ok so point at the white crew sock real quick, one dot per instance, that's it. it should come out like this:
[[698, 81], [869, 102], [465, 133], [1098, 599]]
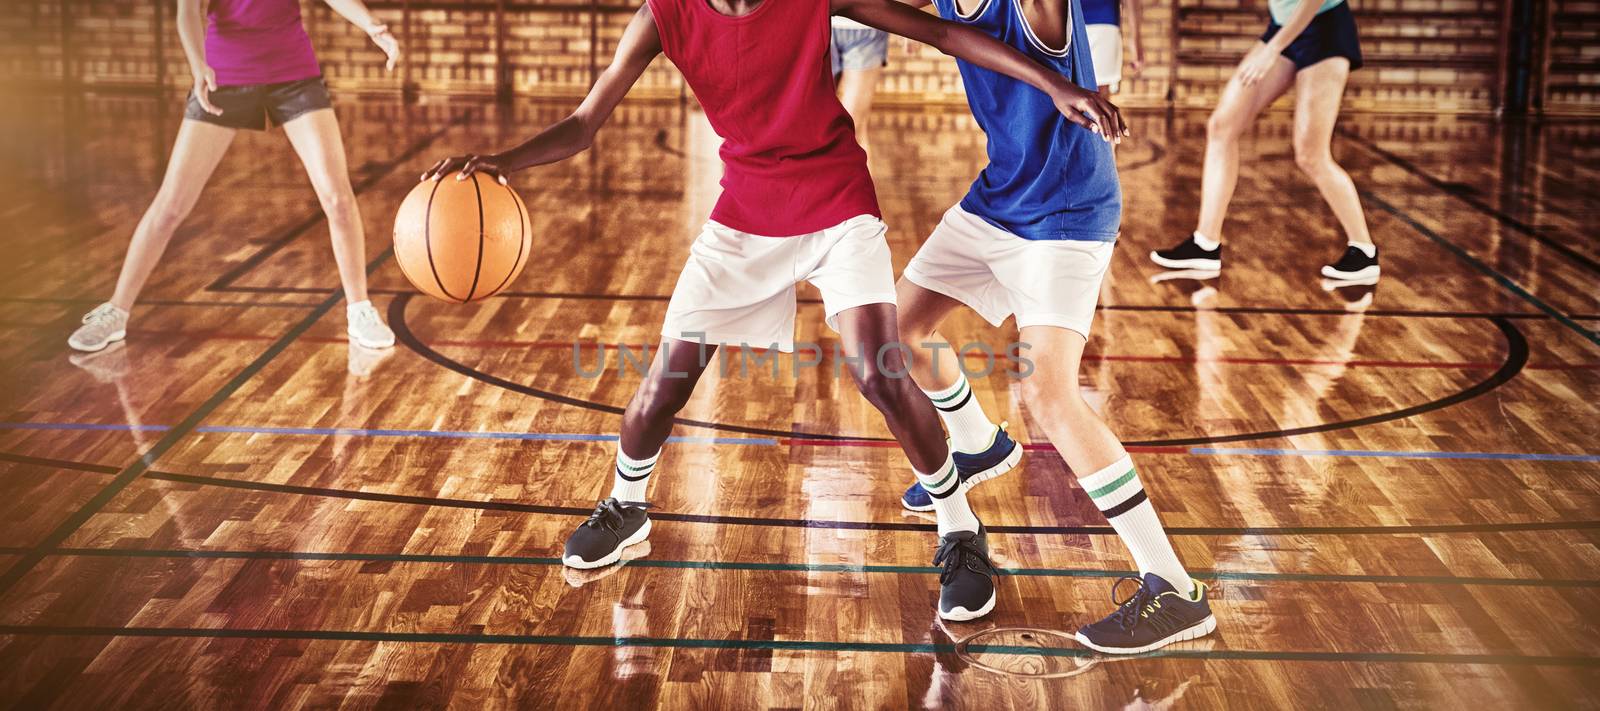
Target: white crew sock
[[1118, 494], [970, 429], [632, 476], [949, 502], [1206, 243], [1369, 249]]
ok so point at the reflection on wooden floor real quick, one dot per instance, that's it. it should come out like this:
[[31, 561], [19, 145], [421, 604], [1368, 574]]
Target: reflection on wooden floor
[[1395, 489]]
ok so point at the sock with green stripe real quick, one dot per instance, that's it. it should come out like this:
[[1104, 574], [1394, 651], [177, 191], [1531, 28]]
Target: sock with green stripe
[[950, 507], [632, 476], [970, 429], [1118, 494]]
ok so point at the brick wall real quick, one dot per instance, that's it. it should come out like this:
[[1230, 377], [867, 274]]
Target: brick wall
[[1423, 55]]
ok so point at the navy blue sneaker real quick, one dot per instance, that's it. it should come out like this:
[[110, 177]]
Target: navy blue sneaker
[[1002, 456], [1153, 617]]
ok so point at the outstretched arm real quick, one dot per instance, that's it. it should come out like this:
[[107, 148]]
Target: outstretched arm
[[574, 134], [1085, 108]]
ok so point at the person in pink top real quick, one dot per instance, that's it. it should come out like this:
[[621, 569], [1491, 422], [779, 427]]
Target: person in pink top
[[253, 69], [797, 204]]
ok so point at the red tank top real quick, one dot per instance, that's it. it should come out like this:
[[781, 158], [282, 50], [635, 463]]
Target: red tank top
[[791, 162]]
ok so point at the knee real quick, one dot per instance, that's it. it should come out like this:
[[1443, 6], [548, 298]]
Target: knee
[[657, 400], [1051, 396], [1221, 126], [338, 202], [881, 389], [168, 211], [1313, 160]]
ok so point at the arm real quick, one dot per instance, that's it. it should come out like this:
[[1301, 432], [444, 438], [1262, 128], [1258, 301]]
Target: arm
[[1256, 66], [357, 13], [574, 134], [192, 33], [1085, 108], [1135, 43]]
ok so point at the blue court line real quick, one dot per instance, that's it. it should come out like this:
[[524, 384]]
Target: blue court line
[[360, 432], [764, 441], [1514, 456]]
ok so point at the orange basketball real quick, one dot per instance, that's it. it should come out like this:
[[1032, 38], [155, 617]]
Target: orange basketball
[[462, 240]]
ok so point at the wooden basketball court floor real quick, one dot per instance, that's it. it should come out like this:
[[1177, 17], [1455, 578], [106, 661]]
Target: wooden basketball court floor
[[1395, 491]]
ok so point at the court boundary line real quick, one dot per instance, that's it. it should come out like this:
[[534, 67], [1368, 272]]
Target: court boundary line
[[1499, 215], [755, 566], [717, 519], [785, 645], [1516, 357], [1494, 275]]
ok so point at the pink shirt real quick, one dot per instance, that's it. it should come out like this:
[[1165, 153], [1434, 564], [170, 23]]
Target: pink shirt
[[792, 164], [258, 42]]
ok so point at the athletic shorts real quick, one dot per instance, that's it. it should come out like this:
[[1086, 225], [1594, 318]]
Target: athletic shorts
[[1330, 34], [738, 288], [259, 107], [998, 274], [858, 48], [1105, 46]]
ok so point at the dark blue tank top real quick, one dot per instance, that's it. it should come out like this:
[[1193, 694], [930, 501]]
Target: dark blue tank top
[[1047, 177], [1102, 12]]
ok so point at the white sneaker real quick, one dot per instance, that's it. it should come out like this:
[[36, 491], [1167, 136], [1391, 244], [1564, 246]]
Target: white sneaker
[[105, 325], [365, 328]]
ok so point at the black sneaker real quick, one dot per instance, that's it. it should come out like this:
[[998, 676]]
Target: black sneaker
[[1354, 265], [1188, 255], [1153, 617], [966, 585], [599, 541]]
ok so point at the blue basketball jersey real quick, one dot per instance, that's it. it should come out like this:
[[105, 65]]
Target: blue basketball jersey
[[1047, 177], [1102, 12]]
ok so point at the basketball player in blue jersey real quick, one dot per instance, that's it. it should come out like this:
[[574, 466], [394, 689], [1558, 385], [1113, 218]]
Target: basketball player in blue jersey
[[1033, 239]]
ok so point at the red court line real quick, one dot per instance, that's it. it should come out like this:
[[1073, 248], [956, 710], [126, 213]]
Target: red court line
[[1092, 358]]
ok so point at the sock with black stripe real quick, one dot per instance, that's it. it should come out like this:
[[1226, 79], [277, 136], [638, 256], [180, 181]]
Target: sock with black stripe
[[1118, 493], [632, 476], [970, 429], [949, 501]]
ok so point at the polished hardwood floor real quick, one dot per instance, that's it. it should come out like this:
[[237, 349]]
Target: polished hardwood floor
[[1395, 490]]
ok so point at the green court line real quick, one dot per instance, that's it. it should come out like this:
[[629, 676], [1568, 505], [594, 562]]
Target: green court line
[[786, 645], [803, 567]]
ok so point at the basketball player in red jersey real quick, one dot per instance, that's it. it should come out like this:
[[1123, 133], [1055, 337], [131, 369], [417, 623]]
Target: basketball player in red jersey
[[797, 203]]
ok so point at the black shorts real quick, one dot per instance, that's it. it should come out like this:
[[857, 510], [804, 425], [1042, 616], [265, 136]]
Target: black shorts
[[1330, 34], [259, 107]]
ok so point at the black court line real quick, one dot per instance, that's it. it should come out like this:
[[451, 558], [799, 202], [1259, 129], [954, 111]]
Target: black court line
[[790, 645], [580, 512], [1507, 220], [1515, 360], [224, 283], [1504, 281], [458, 559], [128, 474]]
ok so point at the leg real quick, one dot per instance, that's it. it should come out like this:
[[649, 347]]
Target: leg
[[856, 89], [1235, 112], [676, 369], [1319, 89], [315, 137], [1173, 606], [621, 519], [195, 156], [865, 331], [934, 365]]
